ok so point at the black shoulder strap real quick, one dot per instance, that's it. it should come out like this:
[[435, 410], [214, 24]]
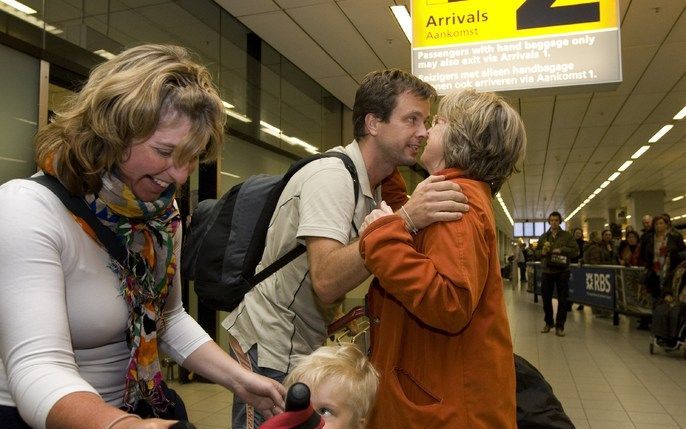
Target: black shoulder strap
[[300, 248], [79, 207]]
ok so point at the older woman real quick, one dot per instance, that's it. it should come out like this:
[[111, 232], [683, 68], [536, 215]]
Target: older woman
[[80, 332], [440, 335]]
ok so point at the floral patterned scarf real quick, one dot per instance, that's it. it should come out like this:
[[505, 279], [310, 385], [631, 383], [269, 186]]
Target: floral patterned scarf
[[147, 230]]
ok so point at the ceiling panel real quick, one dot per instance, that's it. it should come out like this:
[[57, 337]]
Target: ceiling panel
[[241, 8], [279, 30], [327, 24]]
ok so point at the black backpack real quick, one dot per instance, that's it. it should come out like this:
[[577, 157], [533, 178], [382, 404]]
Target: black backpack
[[227, 236]]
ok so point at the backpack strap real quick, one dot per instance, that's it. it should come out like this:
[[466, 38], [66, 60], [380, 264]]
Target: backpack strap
[[299, 249], [80, 208]]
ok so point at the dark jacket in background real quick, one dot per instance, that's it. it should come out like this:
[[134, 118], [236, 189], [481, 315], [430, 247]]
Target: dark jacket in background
[[564, 241], [581, 244], [598, 254]]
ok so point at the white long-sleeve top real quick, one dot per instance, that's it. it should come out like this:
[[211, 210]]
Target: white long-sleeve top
[[63, 320]]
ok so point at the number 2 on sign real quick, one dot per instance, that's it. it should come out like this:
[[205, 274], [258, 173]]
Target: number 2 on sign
[[541, 13]]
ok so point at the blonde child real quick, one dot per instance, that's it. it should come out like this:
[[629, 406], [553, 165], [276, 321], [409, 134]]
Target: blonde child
[[342, 382]]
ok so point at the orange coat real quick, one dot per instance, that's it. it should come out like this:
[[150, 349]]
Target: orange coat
[[440, 335]]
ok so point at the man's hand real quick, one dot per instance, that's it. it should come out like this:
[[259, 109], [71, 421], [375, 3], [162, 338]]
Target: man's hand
[[434, 200]]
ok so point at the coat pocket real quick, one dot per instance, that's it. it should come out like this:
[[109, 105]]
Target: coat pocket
[[413, 390]]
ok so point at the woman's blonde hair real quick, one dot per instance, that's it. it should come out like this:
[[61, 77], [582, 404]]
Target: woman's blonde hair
[[348, 368], [484, 136], [121, 104]]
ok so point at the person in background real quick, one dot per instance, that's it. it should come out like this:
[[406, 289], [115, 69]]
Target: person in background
[[530, 252], [596, 251], [555, 247], [578, 234], [440, 334], [630, 251], [647, 222], [661, 253], [608, 248], [80, 333], [343, 385], [520, 260]]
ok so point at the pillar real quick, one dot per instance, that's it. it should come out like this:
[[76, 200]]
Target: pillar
[[595, 224], [645, 202]]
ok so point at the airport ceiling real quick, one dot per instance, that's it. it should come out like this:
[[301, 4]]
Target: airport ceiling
[[576, 139]]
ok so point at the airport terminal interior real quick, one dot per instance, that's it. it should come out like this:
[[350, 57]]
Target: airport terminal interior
[[603, 153]]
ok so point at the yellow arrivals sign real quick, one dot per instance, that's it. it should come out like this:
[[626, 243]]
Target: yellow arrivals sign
[[441, 22], [515, 44]]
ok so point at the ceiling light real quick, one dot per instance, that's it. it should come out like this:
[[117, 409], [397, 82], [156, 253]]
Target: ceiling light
[[19, 6], [625, 165], [502, 204], [640, 152], [104, 53], [604, 184], [235, 176], [227, 109], [404, 20], [681, 115], [627, 217], [680, 197], [28, 17], [597, 191], [613, 176], [658, 135], [272, 130], [238, 116]]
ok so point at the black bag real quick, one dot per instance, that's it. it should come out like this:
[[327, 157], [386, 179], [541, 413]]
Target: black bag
[[175, 411], [227, 236], [557, 260], [537, 406]]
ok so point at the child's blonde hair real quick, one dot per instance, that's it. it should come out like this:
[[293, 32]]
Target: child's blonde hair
[[348, 368]]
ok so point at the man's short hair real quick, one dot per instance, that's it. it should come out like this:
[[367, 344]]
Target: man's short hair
[[559, 216], [348, 368], [378, 94]]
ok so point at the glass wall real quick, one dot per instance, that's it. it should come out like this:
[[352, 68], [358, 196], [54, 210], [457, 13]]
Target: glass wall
[[19, 82]]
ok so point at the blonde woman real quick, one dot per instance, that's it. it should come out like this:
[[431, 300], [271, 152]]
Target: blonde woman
[[80, 333], [440, 335]]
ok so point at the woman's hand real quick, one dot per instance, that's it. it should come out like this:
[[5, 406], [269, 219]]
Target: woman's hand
[[265, 394], [381, 211]]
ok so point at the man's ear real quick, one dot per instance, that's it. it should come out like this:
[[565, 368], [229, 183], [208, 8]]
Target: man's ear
[[371, 122]]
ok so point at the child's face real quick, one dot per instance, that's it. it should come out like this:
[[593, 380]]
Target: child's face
[[332, 406]]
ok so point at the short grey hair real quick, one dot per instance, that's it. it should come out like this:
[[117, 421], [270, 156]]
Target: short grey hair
[[484, 136]]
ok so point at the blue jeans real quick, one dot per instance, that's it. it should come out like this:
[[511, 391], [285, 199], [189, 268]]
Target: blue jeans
[[241, 410]]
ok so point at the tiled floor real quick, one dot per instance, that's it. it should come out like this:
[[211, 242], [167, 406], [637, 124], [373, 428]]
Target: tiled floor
[[603, 374]]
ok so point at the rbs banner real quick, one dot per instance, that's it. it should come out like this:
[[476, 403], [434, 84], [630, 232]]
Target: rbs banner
[[593, 286], [497, 45]]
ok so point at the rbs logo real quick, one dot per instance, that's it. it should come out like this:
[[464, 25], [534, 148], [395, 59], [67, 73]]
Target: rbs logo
[[598, 282]]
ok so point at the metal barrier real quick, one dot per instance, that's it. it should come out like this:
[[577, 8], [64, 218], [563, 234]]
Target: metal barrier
[[611, 287]]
